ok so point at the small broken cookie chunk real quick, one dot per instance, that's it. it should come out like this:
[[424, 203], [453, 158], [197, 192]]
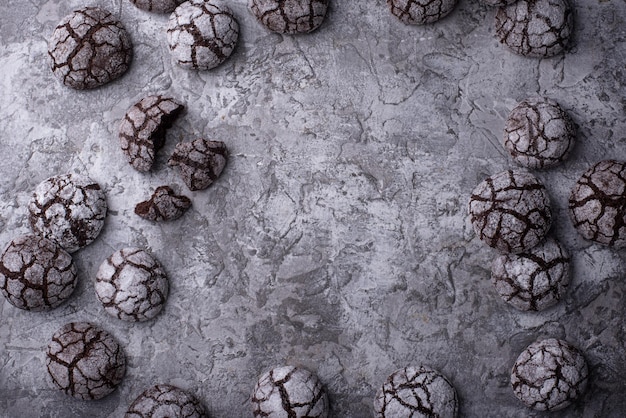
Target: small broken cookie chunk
[[535, 280], [289, 391], [200, 162], [418, 392], [549, 375], [164, 205], [202, 34], [290, 16], [497, 2], [538, 133], [89, 48], [132, 285], [597, 204], [535, 28], [166, 401], [421, 12], [68, 209], [142, 131], [510, 211], [157, 6], [36, 274], [84, 361]]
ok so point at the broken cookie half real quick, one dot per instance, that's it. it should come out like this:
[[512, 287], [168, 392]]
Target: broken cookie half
[[142, 131], [199, 162], [164, 205]]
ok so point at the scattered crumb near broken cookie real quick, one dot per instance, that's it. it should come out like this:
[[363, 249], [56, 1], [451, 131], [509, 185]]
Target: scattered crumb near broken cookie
[[163, 205], [199, 162]]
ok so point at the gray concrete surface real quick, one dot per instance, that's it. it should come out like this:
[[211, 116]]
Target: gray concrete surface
[[338, 237]]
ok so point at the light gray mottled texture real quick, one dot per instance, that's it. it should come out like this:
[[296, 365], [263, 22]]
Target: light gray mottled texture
[[337, 238]]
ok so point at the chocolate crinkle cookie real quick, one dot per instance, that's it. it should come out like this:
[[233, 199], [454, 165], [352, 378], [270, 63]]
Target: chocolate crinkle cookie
[[164, 205], [142, 131], [200, 162], [535, 280], [289, 392], [157, 6], [535, 28], [290, 16], [538, 133], [202, 34], [510, 211], [549, 375], [597, 203], [89, 48], [68, 209], [420, 12], [497, 2], [36, 274], [132, 285], [85, 361], [166, 401], [418, 392]]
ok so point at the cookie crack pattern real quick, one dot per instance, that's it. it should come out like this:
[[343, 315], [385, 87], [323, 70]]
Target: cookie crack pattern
[[290, 16], [164, 205], [199, 162], [420, 12], [157, 6]]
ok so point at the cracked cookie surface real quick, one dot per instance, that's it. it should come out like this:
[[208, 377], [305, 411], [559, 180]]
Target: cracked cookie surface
[[418, 392], [597, 203], [89, 48], [538, 133], [199, 162], [289, 392], [290, 16], [497, 2], [202, 35], [535, 28], [157, 6], [166, 401], [420, 12], [36, 274], [164, 205], [132, 285], [510, 211], [534, 280], [142, 131], [69, 209], [549, 375], [85, 361]]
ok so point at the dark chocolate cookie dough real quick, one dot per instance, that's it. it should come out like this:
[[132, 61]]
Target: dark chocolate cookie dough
[[166, 401], [200, 162], [290, 16], [420, 12]]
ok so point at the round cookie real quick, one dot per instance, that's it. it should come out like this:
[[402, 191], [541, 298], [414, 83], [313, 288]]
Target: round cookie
[[420, 12], [418, 392], [538, 133], [535, 280], [89, 48], [535, 28], [549, 375], [199, 162], [289, 392], [142, 131], [290, 16], [68, 209], [132, 285], [85, 361], [597, 204], [36, 274], [510, 211], [166, 401], [157, 6], [202, 34]]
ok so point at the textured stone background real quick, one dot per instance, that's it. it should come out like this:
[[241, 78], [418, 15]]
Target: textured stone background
[[338, 237]]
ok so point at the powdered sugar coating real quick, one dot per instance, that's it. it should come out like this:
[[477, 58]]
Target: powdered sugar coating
[[89, 48], [534, 280], [418, 392], [132, 285], [166, 401], [164, 205], [535, 28], [510, 211], [597, 203], [36, 274], [420, 12], [538, 133], [290, 16], [85, 361], [289, 392], [199, 162], [549, 375], [157, 6], [68, 209], [202, 34]]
